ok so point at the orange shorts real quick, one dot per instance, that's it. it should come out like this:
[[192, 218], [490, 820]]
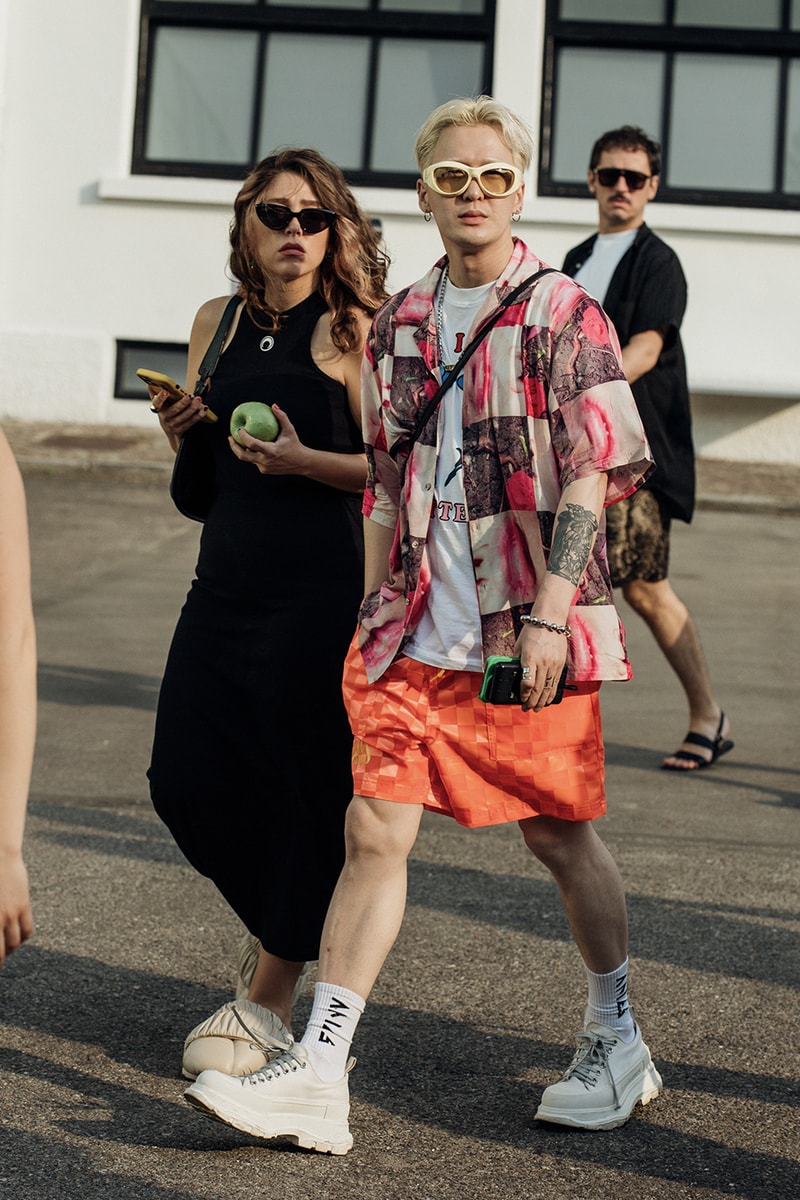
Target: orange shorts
[[423, 736]]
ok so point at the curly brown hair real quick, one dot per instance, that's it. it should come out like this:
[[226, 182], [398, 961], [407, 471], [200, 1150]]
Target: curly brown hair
[[353, 272]]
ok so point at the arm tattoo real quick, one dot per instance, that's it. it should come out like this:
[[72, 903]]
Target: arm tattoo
[[572, 543]]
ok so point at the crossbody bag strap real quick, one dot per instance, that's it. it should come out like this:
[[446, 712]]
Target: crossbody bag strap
[[453, 375], [211, 357]]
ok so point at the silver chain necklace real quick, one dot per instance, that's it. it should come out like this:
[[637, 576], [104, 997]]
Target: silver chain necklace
[[446, 366]]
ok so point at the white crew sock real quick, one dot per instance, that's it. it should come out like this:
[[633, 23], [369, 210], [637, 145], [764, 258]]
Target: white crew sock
[[608, 1001], [334, 1017]]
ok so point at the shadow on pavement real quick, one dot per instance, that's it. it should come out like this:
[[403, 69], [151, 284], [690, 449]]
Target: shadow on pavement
[[76, 823], [436, 1073], [79, 685], [21, 1152], [703, 937]]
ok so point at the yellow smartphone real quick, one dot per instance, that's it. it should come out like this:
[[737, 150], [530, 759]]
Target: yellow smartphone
[[156, 379]]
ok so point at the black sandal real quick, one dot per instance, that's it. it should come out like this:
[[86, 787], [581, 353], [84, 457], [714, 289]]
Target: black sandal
[[718, 746]]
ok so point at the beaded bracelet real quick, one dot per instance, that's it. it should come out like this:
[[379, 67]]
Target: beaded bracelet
[[562, 629]]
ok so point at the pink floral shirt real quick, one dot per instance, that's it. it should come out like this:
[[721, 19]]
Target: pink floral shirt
[[545, 402]]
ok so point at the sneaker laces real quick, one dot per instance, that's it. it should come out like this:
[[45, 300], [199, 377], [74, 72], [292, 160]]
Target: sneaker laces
[[257, 1042], [591, 1059], [282, 1065]]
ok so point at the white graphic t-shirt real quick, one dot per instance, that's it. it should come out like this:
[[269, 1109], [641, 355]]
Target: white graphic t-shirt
[[449, 633]]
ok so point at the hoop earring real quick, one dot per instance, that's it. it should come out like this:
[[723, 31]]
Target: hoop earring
[[427, 216], [515, 216]]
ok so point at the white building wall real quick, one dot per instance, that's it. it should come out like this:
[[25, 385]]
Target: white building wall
[[89, 254]]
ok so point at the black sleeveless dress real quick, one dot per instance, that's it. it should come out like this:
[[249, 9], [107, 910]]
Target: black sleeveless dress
[[250, 767]]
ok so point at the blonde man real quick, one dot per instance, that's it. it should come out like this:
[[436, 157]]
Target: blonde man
[[481, 539]]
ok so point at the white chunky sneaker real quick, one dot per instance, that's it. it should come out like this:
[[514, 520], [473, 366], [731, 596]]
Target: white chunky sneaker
[[286, 1099], [246, 960], [605, 1080], [241, 1037]]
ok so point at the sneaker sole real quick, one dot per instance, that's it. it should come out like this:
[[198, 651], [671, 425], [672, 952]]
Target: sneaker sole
[[638, 1094], [308, 1138]]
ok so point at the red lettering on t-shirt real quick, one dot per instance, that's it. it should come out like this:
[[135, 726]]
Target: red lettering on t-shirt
[[449, 511]]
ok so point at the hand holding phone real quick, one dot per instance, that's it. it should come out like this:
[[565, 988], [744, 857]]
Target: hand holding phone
[[503, 677], [175, 391]]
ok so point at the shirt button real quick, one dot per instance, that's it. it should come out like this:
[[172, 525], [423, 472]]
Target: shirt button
[[415, 545], [428, 487]]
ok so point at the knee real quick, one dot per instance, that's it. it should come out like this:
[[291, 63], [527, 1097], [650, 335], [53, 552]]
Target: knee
[[555, 843], [647, 599], [637, 594], [656, 603], [379, 829]]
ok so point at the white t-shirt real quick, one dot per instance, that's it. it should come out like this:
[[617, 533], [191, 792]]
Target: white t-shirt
[[449, 633], [597, 272]]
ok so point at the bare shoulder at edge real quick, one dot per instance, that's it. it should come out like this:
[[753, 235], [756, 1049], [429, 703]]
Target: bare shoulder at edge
[[208, 317]]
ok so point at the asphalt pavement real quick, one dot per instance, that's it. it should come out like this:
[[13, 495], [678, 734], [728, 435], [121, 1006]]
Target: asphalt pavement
[[476, 1008]]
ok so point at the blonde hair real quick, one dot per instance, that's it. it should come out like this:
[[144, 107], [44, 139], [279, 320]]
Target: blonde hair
[[483, 111], [353, 273]]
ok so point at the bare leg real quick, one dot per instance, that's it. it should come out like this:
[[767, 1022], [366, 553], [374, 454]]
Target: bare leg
[[674, 629], [368, 905], [273, 983], [590, 885]]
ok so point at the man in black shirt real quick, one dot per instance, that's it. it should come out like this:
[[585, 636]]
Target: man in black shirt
[[638, 280]]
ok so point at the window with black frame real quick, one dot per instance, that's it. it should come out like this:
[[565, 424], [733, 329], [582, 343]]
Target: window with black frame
[[220, 85], [167, 357], [717, 82]]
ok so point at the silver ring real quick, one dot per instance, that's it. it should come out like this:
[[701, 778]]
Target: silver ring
[[549, 682], [526, 672]]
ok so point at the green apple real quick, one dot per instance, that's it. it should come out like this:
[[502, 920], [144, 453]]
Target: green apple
[[257, 419]]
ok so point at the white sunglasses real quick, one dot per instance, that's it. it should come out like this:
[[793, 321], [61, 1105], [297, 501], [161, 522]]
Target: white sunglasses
[[453, 178]]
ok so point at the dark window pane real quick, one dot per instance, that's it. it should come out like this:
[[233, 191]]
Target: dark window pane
[[723, 122], [321, 3], [640, 12], [626, 87], [732, 14], [414, 77], [470, 7], [791, 181], [202, 88], [167, 357], [328, 111]]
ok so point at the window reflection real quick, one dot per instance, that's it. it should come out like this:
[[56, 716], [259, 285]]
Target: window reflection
[[328, 112], [439, 70], [577, 126], [723, 122], [202, 113]]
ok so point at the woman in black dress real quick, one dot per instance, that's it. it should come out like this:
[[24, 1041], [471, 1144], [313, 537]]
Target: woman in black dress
[[251, 758]]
